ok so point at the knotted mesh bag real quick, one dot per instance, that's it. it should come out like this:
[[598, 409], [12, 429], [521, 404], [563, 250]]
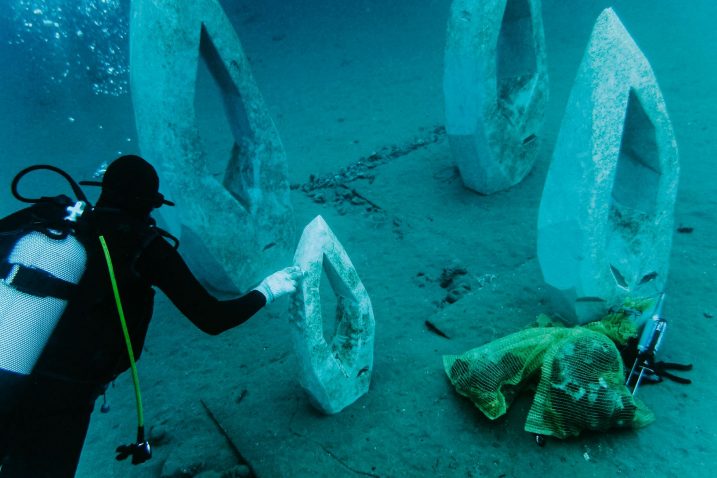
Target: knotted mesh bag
[[579, 372], [491, 375], [582, 387]]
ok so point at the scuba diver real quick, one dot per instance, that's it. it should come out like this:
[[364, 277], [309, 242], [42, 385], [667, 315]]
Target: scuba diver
[[61, 341]]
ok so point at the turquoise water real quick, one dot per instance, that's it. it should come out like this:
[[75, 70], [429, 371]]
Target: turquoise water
[[343, 80]]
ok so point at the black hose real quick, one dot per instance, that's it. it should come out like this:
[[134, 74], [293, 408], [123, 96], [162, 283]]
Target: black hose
[[79, 193]]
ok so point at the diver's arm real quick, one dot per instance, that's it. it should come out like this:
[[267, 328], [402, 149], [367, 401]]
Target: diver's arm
[[162, 265]]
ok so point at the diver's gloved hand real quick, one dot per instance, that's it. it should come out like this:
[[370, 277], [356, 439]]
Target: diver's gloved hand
[[280, 283]]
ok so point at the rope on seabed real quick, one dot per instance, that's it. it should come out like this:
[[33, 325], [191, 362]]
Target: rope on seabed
[[240, 458]]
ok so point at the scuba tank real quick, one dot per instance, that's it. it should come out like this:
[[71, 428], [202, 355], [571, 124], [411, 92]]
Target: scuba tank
[[29, 309], [38, 274]]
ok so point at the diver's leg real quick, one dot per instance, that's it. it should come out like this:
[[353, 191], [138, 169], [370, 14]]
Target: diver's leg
[[47, 446]]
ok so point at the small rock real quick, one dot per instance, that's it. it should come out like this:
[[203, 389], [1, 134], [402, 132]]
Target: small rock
[[176, 469], [318, 197], [158, 436], [454, 295], [239, 471], [450, 273], [209, 474]]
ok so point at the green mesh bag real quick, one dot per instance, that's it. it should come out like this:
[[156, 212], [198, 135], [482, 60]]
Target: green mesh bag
[[579, 372], [491, 375], [582, 387]]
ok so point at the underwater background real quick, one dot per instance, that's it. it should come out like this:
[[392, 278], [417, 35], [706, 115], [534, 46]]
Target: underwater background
[[343, 80]]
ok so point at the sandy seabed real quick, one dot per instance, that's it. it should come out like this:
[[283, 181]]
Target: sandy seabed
[[342, 82]]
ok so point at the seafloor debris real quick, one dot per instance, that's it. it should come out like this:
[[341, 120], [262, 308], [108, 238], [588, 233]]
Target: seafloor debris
[[433, 328], [456, 280], [332, 188]]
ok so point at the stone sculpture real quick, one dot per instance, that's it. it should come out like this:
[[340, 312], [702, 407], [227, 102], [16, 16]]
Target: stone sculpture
[[496, 87], [333, 374], [606, 215], [235, 230]]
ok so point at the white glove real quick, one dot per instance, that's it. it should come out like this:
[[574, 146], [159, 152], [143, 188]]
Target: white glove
[[280, 283]]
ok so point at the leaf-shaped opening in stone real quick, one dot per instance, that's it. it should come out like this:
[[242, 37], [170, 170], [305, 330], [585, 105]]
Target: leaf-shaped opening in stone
[[637, 176], [633, 199], [340, 324], [227, 144], [516, 68], [329, 303]]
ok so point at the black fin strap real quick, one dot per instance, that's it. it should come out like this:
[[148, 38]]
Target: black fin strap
[[661, 369]]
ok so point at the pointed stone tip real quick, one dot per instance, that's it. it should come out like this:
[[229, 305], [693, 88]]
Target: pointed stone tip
[[312, 244], [608, 12], [317, 222], [319, 219], [609, 20], [609, 30]]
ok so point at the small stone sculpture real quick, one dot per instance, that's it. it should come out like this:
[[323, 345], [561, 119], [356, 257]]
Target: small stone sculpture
[[333, 374], [606, 215], [496, 87]]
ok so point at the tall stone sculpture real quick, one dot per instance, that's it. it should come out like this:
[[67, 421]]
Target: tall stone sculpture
[[496, 87], [334, 374], [235, 230], [606, 215]]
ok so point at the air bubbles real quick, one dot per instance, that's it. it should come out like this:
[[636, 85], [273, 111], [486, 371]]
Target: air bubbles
[[91, 35]]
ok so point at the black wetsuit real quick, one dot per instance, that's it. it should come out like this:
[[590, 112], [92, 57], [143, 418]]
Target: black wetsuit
[[42, 436]]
